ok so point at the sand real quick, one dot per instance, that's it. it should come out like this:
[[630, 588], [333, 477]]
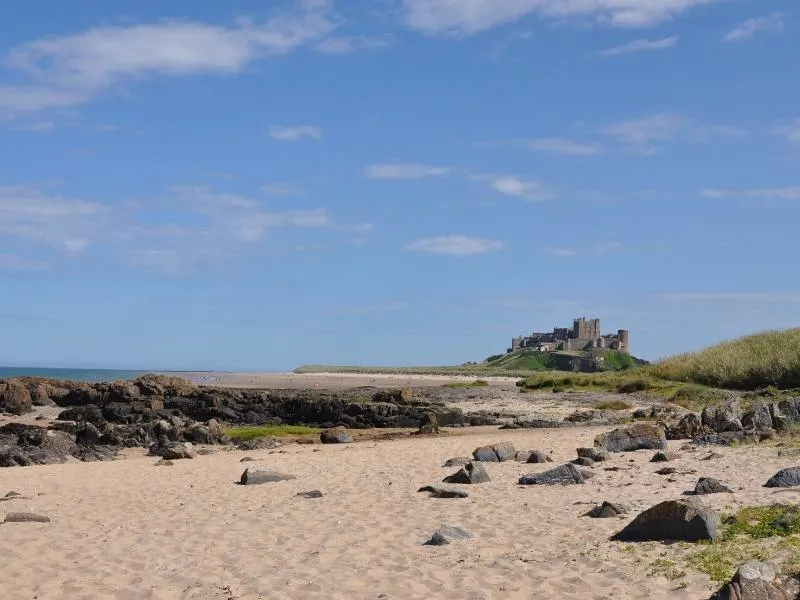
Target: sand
[[127, 529]]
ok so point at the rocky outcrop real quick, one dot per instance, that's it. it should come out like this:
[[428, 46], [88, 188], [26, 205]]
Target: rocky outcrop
[[173, 450], [723, 417], [789, 477], [24, 445], [567, 474], [594, 454], [14, 398], [639, 436], [471, 473], [680, 520], [687, 427], [756, 581], [758, 417]]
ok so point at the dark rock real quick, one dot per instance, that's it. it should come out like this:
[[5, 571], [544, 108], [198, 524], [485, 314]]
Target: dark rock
[[173, 450], [658, 411], [257, 475], [758, 417], [164, 463], [458, 461], [336, 435], [438, 492], [667, 471], [734, 437], [789, 477], [471, 473], [709, 485], [23, 517], [712, 456], [639, 436], [87, 434], [723, 417], [15, 398], [682, 520], [567, 474], [662, 456], [429, 425], [535, 424], [12, 494], [263, 443], [23, 445], [89, 414], [596, 454], [537, 457], [688, 426], [447, 535], [500, 452], [754, 581], [247, 459], [312, 494], [607, 510], [582, 461]]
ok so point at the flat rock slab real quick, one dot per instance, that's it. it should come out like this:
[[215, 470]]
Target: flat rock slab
[[785, 478], [607, 510], [440, 492], [459, 461], [686, 520], [500, 452], [471, 473], [23, 517], [312, 494], [567, 474], [257, 475], [709, 485], [640, 436], [447, 534]]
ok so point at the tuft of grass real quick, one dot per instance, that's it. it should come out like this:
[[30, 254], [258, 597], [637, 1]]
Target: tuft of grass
[[613, 405], [759, 522], [247, 433], [478, 383], [667, 568], [636, 385]]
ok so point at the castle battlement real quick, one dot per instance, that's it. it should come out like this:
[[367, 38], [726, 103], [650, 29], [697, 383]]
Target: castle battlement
[[585, 334]]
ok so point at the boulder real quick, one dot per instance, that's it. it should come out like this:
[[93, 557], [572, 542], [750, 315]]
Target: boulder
[[688, 426], [667, 471], [447, 534], [173, 450], [24, 517], [709, 485], [789, 477], [87, 434], [758, 417], [500, 452], [607, 510], [429, 424], [439, 492], [335, 435], [567, 474], [471, 473], [662, 456], [639, 436], [686, 520], [15, 398], [89, 413], [459, 461], [723, 417], [754, 581], [536, 457], [258, 475], [596, 454]]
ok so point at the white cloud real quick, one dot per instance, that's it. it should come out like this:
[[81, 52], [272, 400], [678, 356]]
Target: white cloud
[[562, 146], [72, 69], [641, 46], [64, 223], [785, 193], [472, 16], [641, 133], [561, 252], [769, 24], [10, 262], [456, 245], [404, 171], [514, 186], [347, 44], [39, 127], [295, 133]]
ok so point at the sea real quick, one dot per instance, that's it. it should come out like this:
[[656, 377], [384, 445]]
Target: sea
[[87, 375]]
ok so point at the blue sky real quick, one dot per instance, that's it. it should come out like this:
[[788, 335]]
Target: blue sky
[[228, 186]]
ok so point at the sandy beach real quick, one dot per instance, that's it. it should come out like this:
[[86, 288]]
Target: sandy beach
[[127, 529]]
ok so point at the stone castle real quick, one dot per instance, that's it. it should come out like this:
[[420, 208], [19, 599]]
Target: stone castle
[[584, 335]]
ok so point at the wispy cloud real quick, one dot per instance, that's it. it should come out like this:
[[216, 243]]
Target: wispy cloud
[[548, 145], [278, 188], [404, 171], [784, 193], [769, 24], [642, 133], [348, 44], [642, 45], [522, 188], [294, 133], [69, 70], [738, 297], [38, 127], [561, 252], [10, 262], [456, 245], [465, 17]]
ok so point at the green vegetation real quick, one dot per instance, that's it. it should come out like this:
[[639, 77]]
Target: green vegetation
[[478, 383], [753, 533], [756, 361], [247, 433]]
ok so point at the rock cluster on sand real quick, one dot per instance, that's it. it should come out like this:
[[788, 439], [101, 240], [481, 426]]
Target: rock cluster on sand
[[607, 510], [756, 581], [681, 520], [471, 473]]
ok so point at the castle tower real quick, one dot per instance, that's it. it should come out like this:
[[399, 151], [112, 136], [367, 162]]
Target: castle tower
[[624, 345]]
